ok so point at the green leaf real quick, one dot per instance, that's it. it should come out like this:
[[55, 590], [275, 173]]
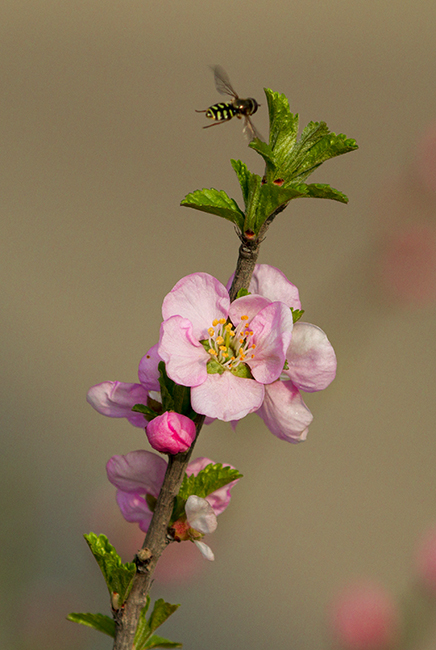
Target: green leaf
[[209, 479], [161, 611], [296, 314], [118, 576], [143, 630], [166, 388], [99, 622], [145, 410], [156, 641], [144, 637], [243, 292], [322, 191], [215, 202], [290, 160]]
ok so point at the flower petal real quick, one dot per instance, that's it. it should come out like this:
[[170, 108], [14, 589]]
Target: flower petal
[[284, 412], [200, 515], [138, 471], [184, 356], [311, 358], [273, 284], [227, 397], [200, 298], [205, 550], [116, 399], [148, 372], [134, 509], [272, 328], [247, 306]]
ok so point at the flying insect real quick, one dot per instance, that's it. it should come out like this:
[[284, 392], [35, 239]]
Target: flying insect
[[225, 111]]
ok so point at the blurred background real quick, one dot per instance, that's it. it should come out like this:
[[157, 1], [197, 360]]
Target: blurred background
[[99, 144]]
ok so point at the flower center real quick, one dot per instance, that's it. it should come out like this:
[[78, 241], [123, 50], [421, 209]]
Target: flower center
[[228, 345]]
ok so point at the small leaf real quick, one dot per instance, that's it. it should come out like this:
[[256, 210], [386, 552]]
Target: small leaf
[[166, 388], [161, 611], [296, 315], [209, 479], [156, 641], [215, 202], [99, 622], [118, 576], [144, 637], [145, 410], [242, 292]]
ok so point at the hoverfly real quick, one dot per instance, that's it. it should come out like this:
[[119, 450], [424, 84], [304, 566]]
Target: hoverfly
[[224, 111]]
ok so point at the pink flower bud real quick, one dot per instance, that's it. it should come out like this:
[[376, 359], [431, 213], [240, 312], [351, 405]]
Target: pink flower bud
[[171, 433], [364, 617], [426, 560]]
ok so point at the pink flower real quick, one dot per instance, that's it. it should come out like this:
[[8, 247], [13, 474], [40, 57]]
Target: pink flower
[[171, 433], [225, 352], [311, 362], [426, 560], [364, 617], [138, 477], [116, 399]]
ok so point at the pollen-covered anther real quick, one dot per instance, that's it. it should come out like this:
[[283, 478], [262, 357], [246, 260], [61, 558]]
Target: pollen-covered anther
[[211, 331], [213, 352]]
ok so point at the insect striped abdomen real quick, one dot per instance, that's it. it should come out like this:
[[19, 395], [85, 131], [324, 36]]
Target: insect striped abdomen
[[221, 111]]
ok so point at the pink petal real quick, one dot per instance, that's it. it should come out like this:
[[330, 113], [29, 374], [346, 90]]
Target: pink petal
[[311, 358], [116, 399], [200, 298], [284, 412], [184, 356], [247, 306], [273, 284], [148, 372], [205, 550], [138, 471], [200, 515], [134, 509], [272, 329], [227, 397]]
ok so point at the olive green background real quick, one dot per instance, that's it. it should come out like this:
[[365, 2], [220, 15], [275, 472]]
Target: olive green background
[[99, 144]]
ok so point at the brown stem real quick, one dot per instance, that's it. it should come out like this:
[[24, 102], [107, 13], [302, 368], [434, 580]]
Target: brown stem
[[156, 540]]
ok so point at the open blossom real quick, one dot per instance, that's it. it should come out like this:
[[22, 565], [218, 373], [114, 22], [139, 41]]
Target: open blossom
[[226, 352], [116, 399], [310, 362], [138, 477]]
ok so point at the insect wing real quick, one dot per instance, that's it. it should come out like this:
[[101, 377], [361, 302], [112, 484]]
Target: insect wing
[[222, 82], [250, 131]]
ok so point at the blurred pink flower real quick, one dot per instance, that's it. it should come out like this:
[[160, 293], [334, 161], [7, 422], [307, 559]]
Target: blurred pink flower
[[408, 264], [425, 560], [171, 433], [364, 617]]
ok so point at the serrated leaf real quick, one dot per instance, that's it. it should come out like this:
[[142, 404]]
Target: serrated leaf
[[290, 160], [161, 611], [144, 637], [118, 576], [323, 191], [156, 641], [99, 622], [209, 479], [215, 202]]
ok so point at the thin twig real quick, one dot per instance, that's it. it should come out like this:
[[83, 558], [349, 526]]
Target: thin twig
[[156, 540]]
